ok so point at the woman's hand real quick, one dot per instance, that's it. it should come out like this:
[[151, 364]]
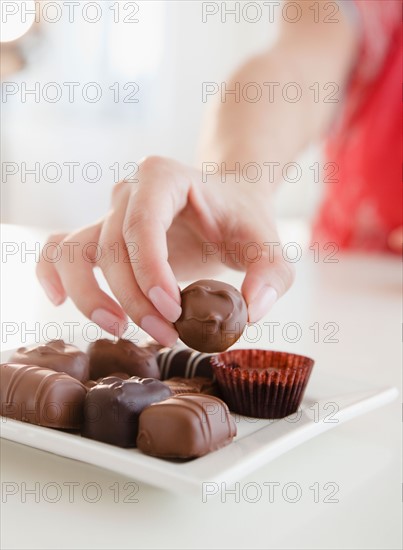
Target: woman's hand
[[168, 225]]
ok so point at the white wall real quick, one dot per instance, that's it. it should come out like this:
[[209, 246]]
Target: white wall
[[169, 53]]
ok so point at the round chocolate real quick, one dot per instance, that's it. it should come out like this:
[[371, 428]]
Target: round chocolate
[[214, 315]]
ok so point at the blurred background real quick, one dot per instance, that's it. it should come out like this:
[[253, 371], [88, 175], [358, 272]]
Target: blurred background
[[89, 90]]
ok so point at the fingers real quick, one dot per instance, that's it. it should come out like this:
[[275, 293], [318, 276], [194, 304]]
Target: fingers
[[265, 281], [74, 270], [47, 273], [117, 267], [161, 194], [139, 220]]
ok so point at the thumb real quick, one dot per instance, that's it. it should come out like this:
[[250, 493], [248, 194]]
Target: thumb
[[266, 280]]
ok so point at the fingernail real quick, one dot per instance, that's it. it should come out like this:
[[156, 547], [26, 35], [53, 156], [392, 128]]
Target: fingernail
[[109, 321], [262, 303], [159, 329], [166, 305], [51, 292]]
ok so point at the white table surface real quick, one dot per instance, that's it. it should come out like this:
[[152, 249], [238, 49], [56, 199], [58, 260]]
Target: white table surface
[[362, 294]]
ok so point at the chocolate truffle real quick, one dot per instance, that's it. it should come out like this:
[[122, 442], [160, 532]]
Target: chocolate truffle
[[185, 426], [41, 396], [214, 315], [113, 406], [108, 356], [55, 355]]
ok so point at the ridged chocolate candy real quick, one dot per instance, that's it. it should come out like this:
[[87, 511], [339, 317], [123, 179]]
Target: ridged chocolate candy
[[185, 426], [55, 355], [41, 396]]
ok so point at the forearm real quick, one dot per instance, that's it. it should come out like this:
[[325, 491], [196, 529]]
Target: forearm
[[275, 128], [269, 129]]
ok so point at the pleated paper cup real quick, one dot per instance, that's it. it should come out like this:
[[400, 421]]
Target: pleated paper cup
[[262, 383]]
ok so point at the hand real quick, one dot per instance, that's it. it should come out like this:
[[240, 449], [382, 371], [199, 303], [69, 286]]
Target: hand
[[163, 223]]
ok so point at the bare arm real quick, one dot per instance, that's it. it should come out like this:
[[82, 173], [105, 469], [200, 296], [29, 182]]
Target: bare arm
[[305, 52], [171, 213]]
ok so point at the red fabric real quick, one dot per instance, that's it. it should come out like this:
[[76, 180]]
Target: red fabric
[[364, 205]]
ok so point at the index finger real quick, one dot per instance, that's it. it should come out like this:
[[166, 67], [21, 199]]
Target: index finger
[[161, 194]]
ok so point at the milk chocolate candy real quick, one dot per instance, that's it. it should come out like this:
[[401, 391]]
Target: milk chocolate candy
[[113, 406], [198, 384], [184, 362], [55, 355], [185, 426], [41, 396], [108, 356], [214, 315]]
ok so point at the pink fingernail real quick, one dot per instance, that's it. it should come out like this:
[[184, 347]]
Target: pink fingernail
[[51, 292], [166, 305], [109, 321], [159, 329], [262, 303]]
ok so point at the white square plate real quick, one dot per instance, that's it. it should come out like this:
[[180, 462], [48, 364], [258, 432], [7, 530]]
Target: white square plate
[[326, 405]]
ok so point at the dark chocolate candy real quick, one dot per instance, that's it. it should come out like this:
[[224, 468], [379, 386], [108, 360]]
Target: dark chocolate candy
[[41, 396], [184, 362], [55, 355], [198, 384], [120, 375], [214, 315], [113, 406], [185, 426], [108, 356]]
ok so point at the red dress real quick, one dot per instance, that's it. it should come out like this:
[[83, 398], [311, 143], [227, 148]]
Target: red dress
[[364, 203]]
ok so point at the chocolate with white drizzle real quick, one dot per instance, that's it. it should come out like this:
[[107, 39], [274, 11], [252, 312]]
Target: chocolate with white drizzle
[[184, 362]]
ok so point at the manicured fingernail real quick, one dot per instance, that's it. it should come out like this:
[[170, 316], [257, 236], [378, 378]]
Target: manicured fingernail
[[159, 329], [262, 303], [109, 321], [166, 305], [51, 292]]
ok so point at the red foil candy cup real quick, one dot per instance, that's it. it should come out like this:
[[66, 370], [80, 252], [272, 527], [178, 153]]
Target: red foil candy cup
[[262, 383]]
